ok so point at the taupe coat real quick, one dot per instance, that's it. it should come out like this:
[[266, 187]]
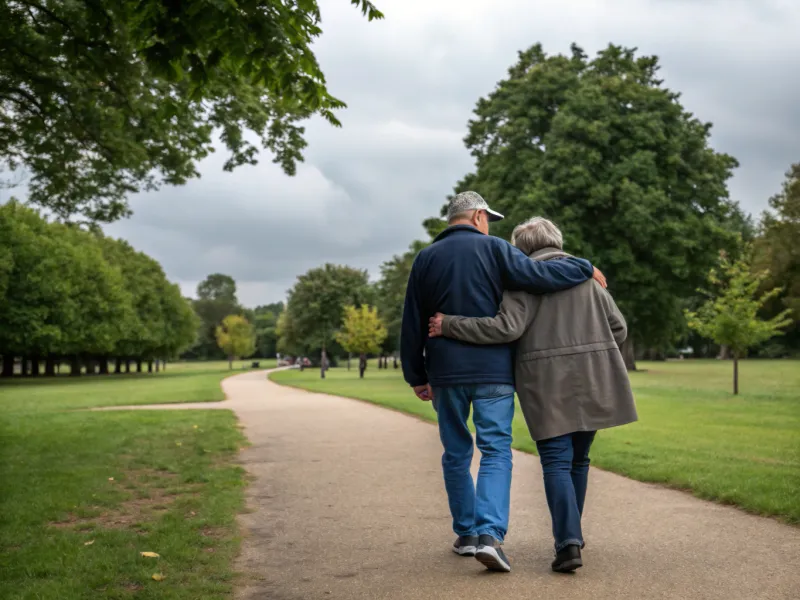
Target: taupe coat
[[570, 375]]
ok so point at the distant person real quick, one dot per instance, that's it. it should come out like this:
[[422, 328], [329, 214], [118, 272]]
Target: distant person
[[464, 271], [570, 376]]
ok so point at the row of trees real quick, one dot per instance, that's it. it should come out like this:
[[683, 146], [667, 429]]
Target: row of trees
[[72, 295], [601, 147]]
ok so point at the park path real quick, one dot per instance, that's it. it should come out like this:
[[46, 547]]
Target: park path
[[347, 502]]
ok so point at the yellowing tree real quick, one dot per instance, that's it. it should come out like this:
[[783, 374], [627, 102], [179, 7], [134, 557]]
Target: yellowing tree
[[235, 336], [362, 333], [731, 317]]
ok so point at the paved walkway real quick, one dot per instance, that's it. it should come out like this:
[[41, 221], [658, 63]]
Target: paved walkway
[[347, 502]]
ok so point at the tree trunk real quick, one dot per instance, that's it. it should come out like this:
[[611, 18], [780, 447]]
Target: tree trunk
[[127, 365], [628, 355], [724, 353], [396, 366], [735, 373], [75, 367], [322, 359], [158, 365], [149, 366], [8, 366], [362, 365], [50, 366], [103, 364], [117, 366], [23, 366], [163, 365], [138, 365], [35, 366], [230, 363]]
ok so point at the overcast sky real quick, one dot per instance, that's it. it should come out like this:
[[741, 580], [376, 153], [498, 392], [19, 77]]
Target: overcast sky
[[411, 82]]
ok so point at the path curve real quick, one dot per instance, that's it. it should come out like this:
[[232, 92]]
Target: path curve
[[347, 502]]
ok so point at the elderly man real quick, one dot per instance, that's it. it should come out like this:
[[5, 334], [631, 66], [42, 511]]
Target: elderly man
[[465, 272], [570, 377]]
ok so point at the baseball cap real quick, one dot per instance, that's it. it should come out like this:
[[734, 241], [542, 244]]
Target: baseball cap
[[470, 201]]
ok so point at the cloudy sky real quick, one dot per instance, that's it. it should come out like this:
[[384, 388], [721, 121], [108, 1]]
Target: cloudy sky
[[411, 82]]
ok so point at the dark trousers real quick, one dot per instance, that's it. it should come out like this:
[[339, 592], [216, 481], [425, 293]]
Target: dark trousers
[[565, 464]]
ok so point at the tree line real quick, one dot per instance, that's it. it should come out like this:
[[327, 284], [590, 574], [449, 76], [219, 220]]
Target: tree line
[[602, 148], [72, 295]]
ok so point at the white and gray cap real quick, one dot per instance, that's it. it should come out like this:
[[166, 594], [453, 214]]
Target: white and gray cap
[[466, 201]]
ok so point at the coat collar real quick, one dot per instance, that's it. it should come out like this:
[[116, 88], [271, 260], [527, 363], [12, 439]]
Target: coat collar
[[455, 228], [549, 253]]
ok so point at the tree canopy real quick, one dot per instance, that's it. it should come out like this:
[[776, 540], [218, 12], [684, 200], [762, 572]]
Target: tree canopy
[[70, 294], [777, 251], [216, 299], [602, 148], [103, 98]]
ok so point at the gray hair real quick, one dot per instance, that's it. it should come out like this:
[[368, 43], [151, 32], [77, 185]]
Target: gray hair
[[535, 234]]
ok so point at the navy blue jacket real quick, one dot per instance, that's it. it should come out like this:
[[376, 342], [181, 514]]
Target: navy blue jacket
[[464, 273]]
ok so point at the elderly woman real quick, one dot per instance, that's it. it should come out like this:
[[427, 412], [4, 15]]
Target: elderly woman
[[570, 377]]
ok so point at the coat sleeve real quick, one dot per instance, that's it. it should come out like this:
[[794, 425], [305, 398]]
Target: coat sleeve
[[413, 332], [619, 328], [539, 276], [513, 318]]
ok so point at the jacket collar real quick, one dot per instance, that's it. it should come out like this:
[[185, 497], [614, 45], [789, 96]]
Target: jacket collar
[[549, 253], [455, 228]]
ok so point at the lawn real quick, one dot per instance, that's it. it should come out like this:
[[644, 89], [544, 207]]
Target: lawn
[[692, 434], [83, 493]]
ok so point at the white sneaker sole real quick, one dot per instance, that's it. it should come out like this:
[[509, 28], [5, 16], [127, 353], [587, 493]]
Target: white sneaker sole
[[490, 559], [465, 550]]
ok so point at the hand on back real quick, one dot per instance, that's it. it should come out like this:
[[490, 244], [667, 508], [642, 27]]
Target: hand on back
[[435, 325]]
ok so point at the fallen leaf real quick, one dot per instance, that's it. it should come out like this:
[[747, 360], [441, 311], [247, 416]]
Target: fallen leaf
[[89, 543], [194, 426], [149, 554], [178, 444], [111, 479], [158, 577], [193, 513]]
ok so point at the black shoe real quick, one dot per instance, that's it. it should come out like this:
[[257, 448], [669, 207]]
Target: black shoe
[[568, 559], [491, 555], [466, 545]]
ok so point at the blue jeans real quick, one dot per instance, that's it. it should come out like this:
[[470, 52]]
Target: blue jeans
[[485, 510], [565, 464]]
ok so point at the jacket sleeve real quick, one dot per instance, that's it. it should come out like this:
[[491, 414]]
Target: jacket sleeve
[[619, 328], [413, 333], [513, 318], [539, 277]]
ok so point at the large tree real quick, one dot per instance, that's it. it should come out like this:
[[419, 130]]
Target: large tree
[[605, 150], [265, 321], [315, 308], [101, 98], [777, 251], [216, 299]]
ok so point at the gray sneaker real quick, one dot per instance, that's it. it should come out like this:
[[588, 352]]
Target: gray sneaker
[[466, 545], [490, 554]]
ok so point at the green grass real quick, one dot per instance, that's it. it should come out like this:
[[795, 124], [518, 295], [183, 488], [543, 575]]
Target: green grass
[[175, 490], [692, 432]]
